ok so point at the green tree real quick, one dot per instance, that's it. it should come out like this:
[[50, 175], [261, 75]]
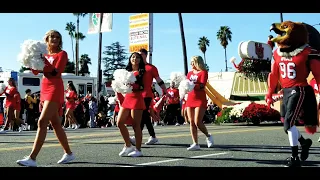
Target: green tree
[[203, 43], [69, 67], [115, 58], [84, 61], [224, 35], [71, 28], [77, 36]]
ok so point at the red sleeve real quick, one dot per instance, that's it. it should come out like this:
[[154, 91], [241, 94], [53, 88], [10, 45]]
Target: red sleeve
[[155, 73], [17, 98], [188, 75], [120, 97], [273, 78], [62, 60], [177, 95], [74, 95], [315, 66], [202, 81]]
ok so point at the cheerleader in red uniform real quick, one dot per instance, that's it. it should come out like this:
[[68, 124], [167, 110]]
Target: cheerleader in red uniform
[[71, 97], [17, 110], [184, 113], [10, 91], [119, 100], [197, 102], [133, 105], [52, 98], [156, 110], [315, 87]]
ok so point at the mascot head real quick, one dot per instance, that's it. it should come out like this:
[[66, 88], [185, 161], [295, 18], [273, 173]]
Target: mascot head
[[291, 35]]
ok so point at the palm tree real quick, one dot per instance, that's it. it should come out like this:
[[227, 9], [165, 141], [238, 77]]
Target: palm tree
[[184, 48], [281, 17], [84, 61], [78, 15], [71, 28], [224, 35], [78, 36], [204, 42]]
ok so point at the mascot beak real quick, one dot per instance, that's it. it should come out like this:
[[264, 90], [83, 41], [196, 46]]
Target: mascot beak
[[282, 32]]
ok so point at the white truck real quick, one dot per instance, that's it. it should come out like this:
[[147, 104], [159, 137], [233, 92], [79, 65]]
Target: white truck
[[27, 80]]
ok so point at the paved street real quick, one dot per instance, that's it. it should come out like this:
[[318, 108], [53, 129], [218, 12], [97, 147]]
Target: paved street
[[235, 146]]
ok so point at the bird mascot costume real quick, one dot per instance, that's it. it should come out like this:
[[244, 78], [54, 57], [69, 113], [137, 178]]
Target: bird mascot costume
[[295, 57]]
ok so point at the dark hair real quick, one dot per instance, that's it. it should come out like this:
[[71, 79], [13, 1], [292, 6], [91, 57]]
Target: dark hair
[[28, 90], [13, 82], [144, 51], [141, 69], [71, 85]]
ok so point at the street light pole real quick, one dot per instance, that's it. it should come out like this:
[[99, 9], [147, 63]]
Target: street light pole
[[99, 73], [281, 17]]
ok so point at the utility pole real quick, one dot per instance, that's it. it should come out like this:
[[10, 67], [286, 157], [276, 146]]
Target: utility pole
[[99, 72]]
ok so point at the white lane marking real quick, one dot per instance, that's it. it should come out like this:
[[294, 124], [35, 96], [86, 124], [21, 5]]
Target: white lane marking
[[173, 160]]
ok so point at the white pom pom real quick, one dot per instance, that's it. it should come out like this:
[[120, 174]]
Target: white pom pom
[[122, 81], [158, 89], [2, 88], [31, 54], [185, 87], [112, 100], [186, 97], [177, 77], [233, 59]]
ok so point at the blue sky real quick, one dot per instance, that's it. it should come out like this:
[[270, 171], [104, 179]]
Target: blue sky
[[167, 55]]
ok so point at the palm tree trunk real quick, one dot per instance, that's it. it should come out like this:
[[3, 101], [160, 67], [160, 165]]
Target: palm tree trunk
[[72, 48], [77, 47], [184, 48], [281, 17], [225, 58], [204, 57]]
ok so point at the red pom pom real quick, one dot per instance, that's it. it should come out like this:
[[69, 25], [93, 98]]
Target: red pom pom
[[310, 129]]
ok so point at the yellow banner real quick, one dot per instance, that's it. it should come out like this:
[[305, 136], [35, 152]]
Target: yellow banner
[[145, 24], [137, 47], [139, 16]]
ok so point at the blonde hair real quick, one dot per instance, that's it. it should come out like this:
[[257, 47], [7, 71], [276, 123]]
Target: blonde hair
[[198, 63], [49, 33]]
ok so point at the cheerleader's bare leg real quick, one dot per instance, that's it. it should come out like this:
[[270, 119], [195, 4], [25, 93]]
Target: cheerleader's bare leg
[[121, 120], [49, 113]]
